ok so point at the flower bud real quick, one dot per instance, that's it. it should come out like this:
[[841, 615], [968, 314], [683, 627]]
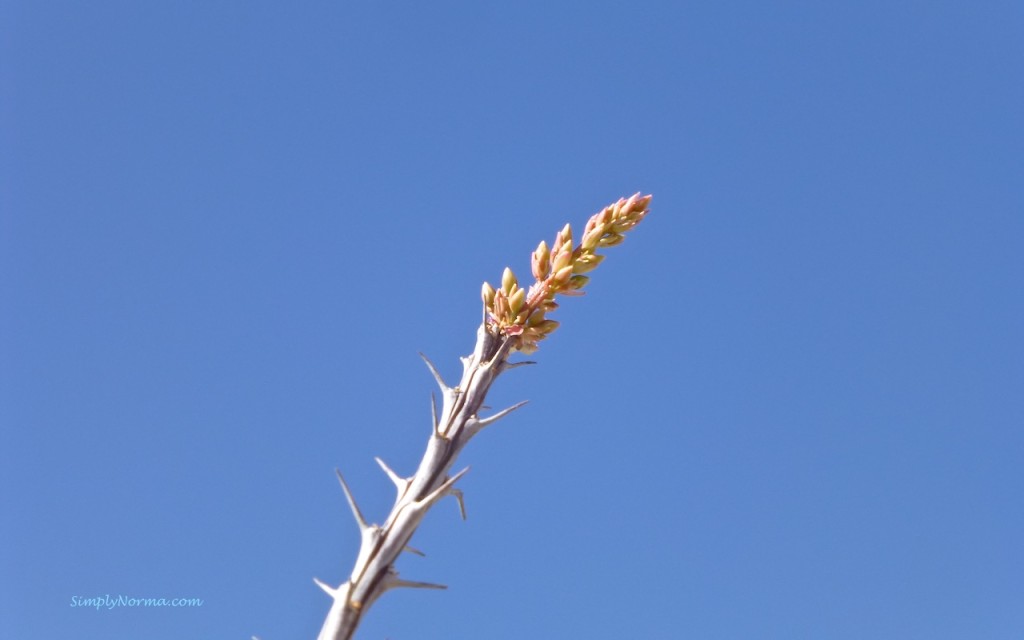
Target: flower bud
[[587, 263], [562, 260], [541, 261], [611, 240], [547, 326], [563, 240], [561, 277], [578, 282], [592, 237], [535, 318], [500, 305], [487, 294], [508, 280], [527, 347], [515, 301], [625, 224]]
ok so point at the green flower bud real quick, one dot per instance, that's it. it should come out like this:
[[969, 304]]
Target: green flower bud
[[547, 326], [587, 263], [515, 301], [578, 282], [508, 280]]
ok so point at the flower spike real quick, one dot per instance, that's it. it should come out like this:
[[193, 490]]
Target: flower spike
[[515, 317], [557, 270]]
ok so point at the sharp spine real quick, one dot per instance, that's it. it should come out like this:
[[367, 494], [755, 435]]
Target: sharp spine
[[433, 411], [462, 503], [434, 372], [483, 422], [441, 491], [352, 503], [400, 482]]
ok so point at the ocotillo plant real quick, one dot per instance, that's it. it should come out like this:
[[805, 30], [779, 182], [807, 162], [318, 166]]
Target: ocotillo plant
[[514, 319]]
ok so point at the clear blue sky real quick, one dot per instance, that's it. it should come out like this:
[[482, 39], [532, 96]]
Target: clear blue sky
[[789, 407]]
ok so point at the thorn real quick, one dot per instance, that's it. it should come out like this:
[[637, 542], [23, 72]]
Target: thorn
[[513, 365], [409, 584], [341, 593], [483, 422], [441, 491], [433, 371], [323, 585], [392, 581], [400, 483], [433, 410], [462, 504], [414, 551], [352, 503]]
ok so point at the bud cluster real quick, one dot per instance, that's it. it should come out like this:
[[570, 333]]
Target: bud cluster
[[514, 311]]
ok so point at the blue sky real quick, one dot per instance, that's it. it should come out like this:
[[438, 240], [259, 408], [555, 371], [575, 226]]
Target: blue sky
[[790, 405]]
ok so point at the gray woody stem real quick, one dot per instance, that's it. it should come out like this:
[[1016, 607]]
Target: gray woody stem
[[374, 571]]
